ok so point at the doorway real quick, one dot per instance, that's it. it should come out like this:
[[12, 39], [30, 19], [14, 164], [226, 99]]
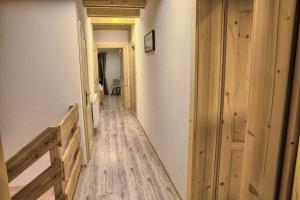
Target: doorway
[[125, 84], [110, 72]]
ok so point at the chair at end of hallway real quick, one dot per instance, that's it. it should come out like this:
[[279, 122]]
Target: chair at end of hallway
[[116, 87]]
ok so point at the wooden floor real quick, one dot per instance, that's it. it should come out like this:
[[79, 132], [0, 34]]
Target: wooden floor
[[124, 164]]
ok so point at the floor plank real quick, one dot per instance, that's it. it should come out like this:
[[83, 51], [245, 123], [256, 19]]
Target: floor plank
[[124, 164]]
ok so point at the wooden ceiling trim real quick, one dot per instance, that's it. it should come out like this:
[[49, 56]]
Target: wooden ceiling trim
[[115, 3], [111, 27], [113, 12]]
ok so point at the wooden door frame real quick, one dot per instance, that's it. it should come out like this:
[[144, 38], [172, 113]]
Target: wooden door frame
[[212, 104], [124, 47], [132, 80], [290, 148], [210, 136]]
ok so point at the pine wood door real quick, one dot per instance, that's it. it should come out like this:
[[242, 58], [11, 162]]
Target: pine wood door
[[86, 95]]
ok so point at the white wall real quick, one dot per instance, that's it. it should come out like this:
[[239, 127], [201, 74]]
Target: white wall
[[112, 67], [39, 71], [163, 83], [110, 36]]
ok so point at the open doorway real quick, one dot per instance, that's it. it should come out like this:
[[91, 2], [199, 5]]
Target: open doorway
[[113, 67], [109, 67], [111, 74]]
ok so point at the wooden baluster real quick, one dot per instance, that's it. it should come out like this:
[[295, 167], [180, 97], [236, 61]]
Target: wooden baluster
[[4, 191], [58, 188]]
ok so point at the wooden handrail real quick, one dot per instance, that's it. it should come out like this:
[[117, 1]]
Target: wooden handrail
[[51, 140]]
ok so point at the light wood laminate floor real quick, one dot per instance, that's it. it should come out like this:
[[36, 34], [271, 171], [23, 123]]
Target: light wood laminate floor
[[124, 164]]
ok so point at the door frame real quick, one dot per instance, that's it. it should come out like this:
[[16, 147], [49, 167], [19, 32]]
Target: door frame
[[210, 136], [290, 149], [127, 86], [132, 80]]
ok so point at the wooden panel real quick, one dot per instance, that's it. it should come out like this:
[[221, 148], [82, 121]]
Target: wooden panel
[[42, 183], [86, 100], [293, 133], [71, 185], [4, 191], [70, 151], [68, 122], [236, 93], [113, 12], [273, 26], [32, 152], [115, 3], [296, 186], [235, 175], [210, 48]]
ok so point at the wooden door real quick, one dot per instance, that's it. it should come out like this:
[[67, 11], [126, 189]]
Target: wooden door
[[4, 189], [86, 98], [243, 65], [238, 55]]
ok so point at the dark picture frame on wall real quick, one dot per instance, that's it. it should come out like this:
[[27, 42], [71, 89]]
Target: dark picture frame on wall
[[149, 42]]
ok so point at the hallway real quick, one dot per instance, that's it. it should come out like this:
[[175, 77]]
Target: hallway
[[124, 165]]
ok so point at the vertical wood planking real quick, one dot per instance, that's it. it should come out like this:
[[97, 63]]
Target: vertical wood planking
[[293, 133], [210, 30], [273, 27], [236, 93], [296, 185]]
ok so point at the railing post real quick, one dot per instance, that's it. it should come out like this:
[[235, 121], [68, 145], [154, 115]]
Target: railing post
[[55, 155], [4, 190]]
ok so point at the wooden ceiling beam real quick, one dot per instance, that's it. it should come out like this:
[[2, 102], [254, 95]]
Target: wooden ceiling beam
[[111, 27], [115, 3], [113, 12]]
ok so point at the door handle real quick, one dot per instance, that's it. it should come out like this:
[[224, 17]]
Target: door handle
[[87, 94]]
